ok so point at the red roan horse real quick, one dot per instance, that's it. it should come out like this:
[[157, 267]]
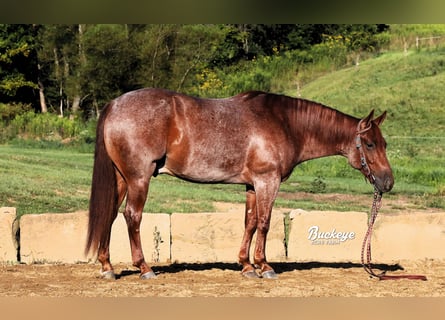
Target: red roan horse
[[254, 138]]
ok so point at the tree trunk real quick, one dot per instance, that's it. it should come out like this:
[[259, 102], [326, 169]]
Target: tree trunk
[[43, 106], [96, 107], [76, 104], [75, 107], [59, 77]]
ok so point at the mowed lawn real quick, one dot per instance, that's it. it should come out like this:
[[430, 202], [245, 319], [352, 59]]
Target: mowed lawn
[[38, 180]]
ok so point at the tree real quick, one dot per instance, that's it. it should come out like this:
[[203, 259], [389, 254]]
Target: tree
[[18, 63], [195, 49], [81, 67], [155, 51], [170, 56], [61, 59], [110, 64]]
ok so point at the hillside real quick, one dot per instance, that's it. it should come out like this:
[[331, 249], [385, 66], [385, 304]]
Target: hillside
[[411, 88]]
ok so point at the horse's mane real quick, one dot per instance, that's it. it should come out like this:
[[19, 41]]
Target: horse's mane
[[307, 115], [322, 120]]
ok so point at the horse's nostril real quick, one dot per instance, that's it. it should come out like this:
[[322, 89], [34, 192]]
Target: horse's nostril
[[389, 182]]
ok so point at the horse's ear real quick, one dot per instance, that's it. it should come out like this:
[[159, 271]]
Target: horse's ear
[[378, 121], [366, 122]]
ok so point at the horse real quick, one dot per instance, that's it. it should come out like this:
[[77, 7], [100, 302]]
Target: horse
[[253, 138]]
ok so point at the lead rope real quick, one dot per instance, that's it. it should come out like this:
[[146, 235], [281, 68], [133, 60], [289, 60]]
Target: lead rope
[[376, 204]]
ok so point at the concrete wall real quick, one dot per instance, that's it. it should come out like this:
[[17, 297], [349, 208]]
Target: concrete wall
[[216, 237], [8, 246], [61, 238], [327, 248]]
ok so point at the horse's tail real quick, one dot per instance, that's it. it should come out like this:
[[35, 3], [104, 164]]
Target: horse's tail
[[104, 194]]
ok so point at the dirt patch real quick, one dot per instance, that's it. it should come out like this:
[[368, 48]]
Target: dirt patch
[[312, 279], [391, 203]]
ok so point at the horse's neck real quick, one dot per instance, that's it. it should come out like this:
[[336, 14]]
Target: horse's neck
[[325, 132]]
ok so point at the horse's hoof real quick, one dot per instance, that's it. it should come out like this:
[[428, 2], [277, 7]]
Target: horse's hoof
[[250, 274], [270, 274], [148, 275], [108, 275]]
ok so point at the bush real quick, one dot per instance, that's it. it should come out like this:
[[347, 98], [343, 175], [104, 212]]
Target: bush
[[10, 111], [318, 185], [46, 126]]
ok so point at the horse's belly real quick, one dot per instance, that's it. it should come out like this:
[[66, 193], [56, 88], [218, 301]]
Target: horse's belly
[[201, 170]]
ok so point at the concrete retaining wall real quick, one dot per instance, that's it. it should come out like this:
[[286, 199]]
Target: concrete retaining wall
[[61, 238], [314, 236], [216, 237], [8, 247]]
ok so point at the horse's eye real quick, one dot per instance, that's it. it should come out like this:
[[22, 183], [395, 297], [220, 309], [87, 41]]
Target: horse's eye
[[370, 145]]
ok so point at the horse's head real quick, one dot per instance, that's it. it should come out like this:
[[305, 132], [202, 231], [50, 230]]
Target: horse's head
[[369, 153]]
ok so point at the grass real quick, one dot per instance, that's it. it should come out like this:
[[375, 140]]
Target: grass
[[409, 87], [44, 180], [36, 180]]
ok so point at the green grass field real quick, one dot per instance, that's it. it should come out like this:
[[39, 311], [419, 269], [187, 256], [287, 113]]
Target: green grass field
[[41, 178]]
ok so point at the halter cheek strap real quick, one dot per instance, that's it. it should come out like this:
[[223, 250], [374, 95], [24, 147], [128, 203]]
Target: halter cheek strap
[[358, 144]]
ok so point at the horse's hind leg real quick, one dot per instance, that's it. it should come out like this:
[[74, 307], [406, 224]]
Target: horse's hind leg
[[107, 270], [136, 197], [250, 224]]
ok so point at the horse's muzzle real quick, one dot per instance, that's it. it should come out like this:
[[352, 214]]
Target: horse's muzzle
[[384, 183]]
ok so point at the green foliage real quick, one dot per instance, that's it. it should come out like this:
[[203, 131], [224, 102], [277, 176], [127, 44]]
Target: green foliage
[[10, 84], [318, 185], [17, 63], [107, 71], [44, 126], [283, 67], [49, 127], [84, 66], [421, 30], [10, 111], [404, 35]]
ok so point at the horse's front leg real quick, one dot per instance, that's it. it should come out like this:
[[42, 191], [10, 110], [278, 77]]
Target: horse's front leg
[[250, 223], [266, 192]]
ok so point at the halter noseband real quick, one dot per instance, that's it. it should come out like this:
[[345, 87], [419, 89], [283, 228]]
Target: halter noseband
[[358, 144]]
